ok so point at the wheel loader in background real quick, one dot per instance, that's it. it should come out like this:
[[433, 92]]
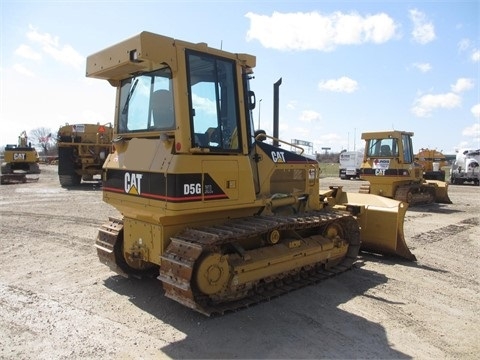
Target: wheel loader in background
[[390, 168], [19, 161], [432, 162], [223, 217], [82, 150]]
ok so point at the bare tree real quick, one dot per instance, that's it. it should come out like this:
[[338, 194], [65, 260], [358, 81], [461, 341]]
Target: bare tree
[[328, 157], [43, 138]]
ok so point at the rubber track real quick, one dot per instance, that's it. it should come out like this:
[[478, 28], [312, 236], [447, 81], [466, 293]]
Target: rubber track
[[179, 259]]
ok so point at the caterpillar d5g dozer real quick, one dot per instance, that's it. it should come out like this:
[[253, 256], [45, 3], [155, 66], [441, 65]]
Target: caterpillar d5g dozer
[[390, 168], [223, 217]]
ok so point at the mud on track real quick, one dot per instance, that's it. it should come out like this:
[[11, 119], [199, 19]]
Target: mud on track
[[57, 301]]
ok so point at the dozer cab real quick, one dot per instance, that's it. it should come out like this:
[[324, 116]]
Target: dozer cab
[[223, 217], [391, 170]]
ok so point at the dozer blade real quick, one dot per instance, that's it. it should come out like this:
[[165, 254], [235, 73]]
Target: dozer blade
[[441, 191], [381, 222]]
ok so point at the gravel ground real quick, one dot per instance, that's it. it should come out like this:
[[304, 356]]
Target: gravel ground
[[58, 301]]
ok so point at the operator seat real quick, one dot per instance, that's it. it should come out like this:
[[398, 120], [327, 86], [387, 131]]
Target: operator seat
[[162, 109], [385, 150]]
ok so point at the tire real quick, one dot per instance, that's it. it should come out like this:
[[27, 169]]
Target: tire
[[69, 180], [66, 167]]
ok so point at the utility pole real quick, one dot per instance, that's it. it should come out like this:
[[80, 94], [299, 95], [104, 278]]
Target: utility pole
[[354, 138], [259, 108]]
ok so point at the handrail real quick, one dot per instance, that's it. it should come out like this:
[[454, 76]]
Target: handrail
[[260, 136]]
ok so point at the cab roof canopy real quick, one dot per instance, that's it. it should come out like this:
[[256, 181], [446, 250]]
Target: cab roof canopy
[[147, 52], [384, 134]]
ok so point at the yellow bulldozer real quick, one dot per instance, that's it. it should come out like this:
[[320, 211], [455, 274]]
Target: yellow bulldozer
[[219, 211], [19, 160], [391, 170]]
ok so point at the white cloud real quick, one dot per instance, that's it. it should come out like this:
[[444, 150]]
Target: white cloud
[[476, 111], [424, 105], [461, 85], [466, 44], [27, 52], [22, 70], [472, 131], [51, 46], [343, 84], [423, 31], [476, 56], [423, 67], [309, 116], [379, 28], [307, 31]]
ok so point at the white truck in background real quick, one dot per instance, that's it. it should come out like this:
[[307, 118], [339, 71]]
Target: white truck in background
[[350, 164], [466, 167]]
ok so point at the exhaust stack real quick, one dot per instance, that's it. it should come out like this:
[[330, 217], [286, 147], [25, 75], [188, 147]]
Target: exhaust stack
[[276, 120]]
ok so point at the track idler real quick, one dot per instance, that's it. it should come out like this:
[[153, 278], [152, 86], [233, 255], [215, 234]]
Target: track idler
[[110, 251]]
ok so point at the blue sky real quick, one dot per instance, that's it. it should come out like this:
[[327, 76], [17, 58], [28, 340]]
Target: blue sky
[[346, 66]]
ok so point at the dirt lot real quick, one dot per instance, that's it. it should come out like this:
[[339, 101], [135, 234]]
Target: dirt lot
[[58, 301]]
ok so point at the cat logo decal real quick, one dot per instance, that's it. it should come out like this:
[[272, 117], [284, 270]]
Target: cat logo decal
[[133, 183]]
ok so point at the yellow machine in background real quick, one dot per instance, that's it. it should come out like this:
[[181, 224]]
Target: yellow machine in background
[[390, 168], [432, 162], [220, 214], [19, 160], [82, 150], [22, 157]]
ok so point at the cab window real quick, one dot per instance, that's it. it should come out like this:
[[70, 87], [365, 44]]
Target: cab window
[[146, 103], [213, 99], [386, 147]]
